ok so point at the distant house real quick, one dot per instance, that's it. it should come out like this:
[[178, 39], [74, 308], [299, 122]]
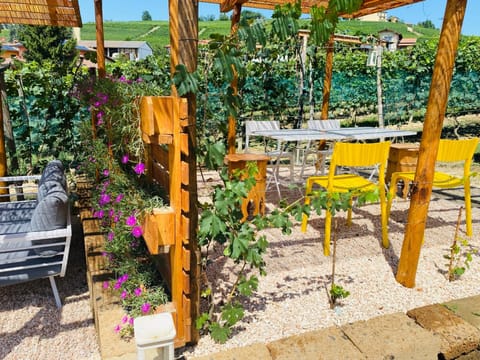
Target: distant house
[[10, 50], [134, 50], [380, 16], [390, 39]]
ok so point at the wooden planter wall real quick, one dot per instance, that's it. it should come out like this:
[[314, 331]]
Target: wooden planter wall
[[166, 231]]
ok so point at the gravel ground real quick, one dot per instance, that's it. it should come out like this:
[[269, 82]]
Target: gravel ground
[[291, 299]]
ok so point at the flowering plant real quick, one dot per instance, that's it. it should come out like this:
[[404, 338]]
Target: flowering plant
[[121, 193]]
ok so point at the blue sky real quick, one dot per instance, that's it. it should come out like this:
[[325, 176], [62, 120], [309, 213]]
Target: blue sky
[[122, 10]]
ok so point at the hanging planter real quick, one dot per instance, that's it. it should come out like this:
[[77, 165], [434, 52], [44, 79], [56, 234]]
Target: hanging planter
[[159, 230]]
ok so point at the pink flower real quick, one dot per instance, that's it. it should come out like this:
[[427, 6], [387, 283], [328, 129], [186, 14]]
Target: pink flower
[[131, 220], [117, 285], [139, 168], [106, 285], [117, 328], [125, 159], [130, 321], [119, 198], [137, 292], [145, 308], [104, 199], [106, 172], [123, 278], [137, 231], [123, 295], [124, 319]]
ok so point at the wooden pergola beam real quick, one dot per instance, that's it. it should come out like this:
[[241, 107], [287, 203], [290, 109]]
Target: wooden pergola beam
[[368, 6], [432, 130]]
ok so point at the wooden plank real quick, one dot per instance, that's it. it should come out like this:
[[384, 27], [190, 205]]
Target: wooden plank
[[161, 176], [160, 155], [159, 229], [185, 227], [186, 282], [185, 173], [186, 259], [184, 144], [185, 200]]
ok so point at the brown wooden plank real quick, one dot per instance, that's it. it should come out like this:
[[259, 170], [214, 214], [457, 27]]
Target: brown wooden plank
[[186, 282], [160, 155], [184, 144], [186, 259], [185, 228], [185, 200], [185, 173]]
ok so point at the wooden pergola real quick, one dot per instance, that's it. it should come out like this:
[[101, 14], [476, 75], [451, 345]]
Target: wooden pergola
[[183, 16], [435, 114]]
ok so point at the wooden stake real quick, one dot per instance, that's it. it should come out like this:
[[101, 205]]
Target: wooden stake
[[100, 39], [327, 82], [432, 128]]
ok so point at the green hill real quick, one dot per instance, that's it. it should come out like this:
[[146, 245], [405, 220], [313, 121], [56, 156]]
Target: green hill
[[156, 32]]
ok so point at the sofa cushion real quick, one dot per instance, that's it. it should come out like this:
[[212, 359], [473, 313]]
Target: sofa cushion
[[52, 174], [51, 211]]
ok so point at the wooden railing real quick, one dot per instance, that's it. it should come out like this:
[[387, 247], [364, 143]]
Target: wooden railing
[[164, 124]]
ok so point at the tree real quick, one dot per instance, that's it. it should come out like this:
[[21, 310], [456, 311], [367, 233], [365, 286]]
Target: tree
[[428, 24], [51, 43], [146, 16]]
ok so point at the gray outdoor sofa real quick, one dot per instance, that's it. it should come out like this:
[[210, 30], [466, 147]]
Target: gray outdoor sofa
[[35, 227]]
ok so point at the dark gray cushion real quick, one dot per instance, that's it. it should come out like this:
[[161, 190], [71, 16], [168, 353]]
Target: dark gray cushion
[[53, 173], [51, 211]]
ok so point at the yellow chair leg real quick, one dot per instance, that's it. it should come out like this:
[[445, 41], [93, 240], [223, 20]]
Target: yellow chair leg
[[349, 212], [383, 212]]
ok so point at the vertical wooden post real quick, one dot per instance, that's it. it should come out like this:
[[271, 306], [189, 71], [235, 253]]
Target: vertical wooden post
[[183, 17], [232, 123], [432, 128], [327, 82], [100, 39]]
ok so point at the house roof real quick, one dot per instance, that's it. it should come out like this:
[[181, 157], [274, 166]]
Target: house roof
[[368, 6], [40, 12], [114, 44]]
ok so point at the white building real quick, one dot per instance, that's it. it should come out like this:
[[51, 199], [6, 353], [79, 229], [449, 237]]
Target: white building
[[134, 50]]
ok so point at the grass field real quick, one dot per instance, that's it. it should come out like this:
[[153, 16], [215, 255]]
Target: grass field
[[157, 35]]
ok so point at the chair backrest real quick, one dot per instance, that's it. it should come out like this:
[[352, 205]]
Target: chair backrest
[[457, 151], [360, 155], [323, 124], [251, 126]]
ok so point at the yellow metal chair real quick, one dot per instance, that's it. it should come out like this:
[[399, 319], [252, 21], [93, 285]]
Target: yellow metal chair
[[449, 151], [352, 155]]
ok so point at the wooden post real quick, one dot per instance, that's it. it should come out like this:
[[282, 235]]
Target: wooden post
[[432, 128], [327, 82], [100, 39], [232, 123], [183, 17]]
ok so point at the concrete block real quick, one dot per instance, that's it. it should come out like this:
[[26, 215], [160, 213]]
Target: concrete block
[[458, 336], [255, 351], [468, 309], [328, 344], [393, 336]]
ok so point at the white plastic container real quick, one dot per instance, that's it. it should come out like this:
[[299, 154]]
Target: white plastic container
[[154, 336]]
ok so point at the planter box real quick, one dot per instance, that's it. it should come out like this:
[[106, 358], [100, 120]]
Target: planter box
[[159, 230]]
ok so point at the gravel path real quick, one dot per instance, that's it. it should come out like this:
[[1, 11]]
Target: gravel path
[[291, 298]]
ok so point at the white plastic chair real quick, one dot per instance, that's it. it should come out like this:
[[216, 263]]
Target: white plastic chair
[[321, 154], [277, 154]]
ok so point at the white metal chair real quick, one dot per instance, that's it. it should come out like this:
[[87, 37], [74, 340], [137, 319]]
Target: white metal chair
[[277, 155], [321, 154]]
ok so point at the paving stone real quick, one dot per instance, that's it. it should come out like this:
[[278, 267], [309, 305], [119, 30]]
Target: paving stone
[[458, 336], [328, 344], [468, 309], [255, 351], [393, 336]]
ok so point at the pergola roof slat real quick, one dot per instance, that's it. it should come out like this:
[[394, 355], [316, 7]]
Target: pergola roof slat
[[368, 6], [41, 12]]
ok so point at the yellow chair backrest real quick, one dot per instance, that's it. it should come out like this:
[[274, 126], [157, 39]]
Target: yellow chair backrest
[[456, 150], [360, 154]]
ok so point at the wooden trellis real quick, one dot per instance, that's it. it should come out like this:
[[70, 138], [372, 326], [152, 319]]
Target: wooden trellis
[[166, 231]]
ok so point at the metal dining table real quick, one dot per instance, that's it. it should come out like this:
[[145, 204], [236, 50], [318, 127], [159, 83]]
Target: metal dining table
[[341, 134]]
